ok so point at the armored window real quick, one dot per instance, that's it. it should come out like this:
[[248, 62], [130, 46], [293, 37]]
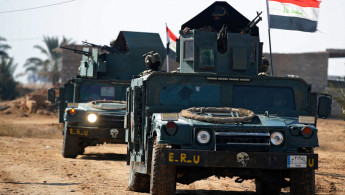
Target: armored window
[[188, 50], [206, 59], [240, 58], [189, 95], [90, 92], [264, 98]]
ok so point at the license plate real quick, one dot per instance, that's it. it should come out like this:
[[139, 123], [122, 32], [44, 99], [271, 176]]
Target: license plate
[[183, 158], [78, 132], [294, 161]]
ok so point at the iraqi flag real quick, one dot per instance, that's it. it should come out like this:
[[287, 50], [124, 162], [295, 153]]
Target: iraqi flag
[[301, 15], [171, 40]]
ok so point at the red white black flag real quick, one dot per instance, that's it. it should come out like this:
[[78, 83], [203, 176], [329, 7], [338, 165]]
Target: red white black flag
[[171, 40], [301, 15]]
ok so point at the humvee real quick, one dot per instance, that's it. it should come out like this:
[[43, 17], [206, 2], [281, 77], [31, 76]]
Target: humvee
[[218, 116], [92, 106]]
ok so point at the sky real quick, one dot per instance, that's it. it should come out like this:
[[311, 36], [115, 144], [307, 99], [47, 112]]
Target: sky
[[101, 21]]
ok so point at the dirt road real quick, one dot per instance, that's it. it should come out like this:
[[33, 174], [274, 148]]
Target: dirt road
[[31, 163]]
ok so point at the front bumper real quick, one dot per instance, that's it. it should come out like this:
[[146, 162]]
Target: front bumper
[[226, 159], [97, 133]]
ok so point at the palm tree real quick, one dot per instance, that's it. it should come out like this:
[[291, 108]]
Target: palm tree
[[47, 69], [7, 83], [3, 47]]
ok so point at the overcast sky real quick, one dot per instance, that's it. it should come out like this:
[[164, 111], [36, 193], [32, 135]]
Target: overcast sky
[[100, 21]]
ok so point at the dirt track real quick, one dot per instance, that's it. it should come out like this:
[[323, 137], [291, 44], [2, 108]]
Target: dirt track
[[31, 163]]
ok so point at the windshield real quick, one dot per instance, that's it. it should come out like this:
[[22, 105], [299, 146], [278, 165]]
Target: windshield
[[260, 98], [256, 98], [189, 95], [179, 91], [98, 91]]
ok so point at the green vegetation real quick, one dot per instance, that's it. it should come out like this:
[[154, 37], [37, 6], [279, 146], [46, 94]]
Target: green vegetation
[[48, 69], [3, 47], [7, 67], [338, 94]]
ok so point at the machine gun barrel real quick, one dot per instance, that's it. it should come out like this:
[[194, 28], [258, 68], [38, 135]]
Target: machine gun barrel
[[91, 44], [103, 48], [77, 51], [252, 23]]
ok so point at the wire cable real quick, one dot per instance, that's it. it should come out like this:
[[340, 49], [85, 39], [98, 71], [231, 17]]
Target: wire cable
[[19, 10]]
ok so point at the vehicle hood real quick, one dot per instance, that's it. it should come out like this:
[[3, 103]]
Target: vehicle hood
[[103, 107], [257, 121]]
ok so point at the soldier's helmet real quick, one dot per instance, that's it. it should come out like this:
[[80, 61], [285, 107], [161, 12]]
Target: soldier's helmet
[[152, 60], [219, 11]]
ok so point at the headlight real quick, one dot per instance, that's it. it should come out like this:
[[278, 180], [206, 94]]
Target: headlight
[[92, 118], [295, 131], [277, 138], [203, 137]]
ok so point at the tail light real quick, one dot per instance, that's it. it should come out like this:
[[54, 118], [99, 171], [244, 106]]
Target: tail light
[[307, 132]]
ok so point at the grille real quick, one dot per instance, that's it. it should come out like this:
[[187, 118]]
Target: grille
[[113, 121], [242, 141]]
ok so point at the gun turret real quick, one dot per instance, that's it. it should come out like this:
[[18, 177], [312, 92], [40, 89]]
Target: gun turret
[[77, 51], [103, 48], [252, 23]]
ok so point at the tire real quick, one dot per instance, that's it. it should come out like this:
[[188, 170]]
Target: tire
[[163, 177], [81, 150], [138, 182], [70, 147], [264, 187], [302, 182]]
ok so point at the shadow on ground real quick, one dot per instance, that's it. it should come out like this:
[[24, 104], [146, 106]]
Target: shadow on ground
[[105, 157], [215, 192]]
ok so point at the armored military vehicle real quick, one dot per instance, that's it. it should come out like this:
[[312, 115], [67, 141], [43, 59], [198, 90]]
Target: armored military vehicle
[[92, 106], [218, 116]]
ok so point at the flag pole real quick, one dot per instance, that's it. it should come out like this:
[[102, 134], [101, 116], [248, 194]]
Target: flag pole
[[167, 52], [269, 40], [269, 35]]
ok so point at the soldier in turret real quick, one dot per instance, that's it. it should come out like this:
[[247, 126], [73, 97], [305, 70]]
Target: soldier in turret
[[152, 61], [218, 20]]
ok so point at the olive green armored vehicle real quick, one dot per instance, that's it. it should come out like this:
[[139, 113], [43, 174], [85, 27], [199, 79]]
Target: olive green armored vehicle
[[219, 116], [92, 106]]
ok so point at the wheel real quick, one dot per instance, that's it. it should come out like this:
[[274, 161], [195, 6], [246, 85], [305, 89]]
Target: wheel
[[70, 147], [81, 150], [302, 181], [163, 177], [138, 182], [263, 187], [267, 184]]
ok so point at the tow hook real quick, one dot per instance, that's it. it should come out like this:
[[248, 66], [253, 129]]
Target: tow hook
[[239, 180]]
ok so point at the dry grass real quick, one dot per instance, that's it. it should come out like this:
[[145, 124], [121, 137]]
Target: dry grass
[[30, 130], [331, 135]]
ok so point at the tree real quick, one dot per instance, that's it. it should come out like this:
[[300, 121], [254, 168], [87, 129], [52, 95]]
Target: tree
[[7, 83], [3, 47], [338, 94], [48, 69]]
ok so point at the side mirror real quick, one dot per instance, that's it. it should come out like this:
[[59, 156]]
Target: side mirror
[[51, 95], [325, 106]]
